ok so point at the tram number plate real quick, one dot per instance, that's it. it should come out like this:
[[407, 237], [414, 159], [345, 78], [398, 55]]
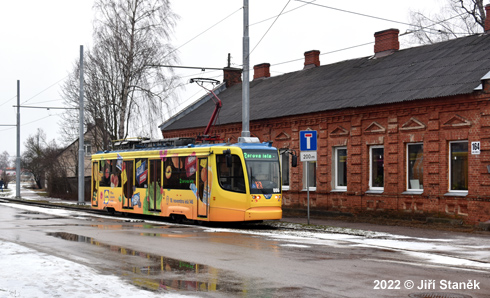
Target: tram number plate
[[308, 156]]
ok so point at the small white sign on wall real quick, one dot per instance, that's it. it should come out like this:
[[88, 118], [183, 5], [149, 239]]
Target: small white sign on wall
[[475, 147]]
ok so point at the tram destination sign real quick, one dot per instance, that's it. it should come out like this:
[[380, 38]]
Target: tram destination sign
[[260, 155]]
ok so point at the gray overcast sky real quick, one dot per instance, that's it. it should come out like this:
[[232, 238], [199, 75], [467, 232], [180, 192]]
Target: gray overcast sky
[[41, 40]]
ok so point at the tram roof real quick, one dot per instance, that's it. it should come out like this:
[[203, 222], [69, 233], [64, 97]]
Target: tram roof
[[249, 146]]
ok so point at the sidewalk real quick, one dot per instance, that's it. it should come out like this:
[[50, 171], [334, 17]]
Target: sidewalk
[[393, 226]]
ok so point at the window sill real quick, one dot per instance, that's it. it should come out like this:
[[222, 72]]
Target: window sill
[[338, 190], [413, 192], [311, 189], [456, 194], [375, 191], [285, 188]]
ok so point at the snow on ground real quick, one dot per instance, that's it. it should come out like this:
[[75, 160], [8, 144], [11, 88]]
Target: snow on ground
[[29, 273]]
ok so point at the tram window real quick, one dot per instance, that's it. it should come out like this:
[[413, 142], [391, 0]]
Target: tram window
[[141, 173], [111, 175], [230, 178], [180, 172]]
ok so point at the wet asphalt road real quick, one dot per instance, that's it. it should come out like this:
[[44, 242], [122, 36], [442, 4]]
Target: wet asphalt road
[[259, 261]]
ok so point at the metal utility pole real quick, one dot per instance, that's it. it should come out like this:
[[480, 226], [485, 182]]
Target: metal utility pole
[[81, 151], [17, 161], [246, 80]]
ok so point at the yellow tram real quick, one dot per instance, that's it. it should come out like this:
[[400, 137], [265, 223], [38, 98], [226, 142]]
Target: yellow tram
[[206, 182]]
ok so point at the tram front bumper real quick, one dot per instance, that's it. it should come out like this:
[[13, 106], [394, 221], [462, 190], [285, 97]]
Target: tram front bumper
[[263, 213]]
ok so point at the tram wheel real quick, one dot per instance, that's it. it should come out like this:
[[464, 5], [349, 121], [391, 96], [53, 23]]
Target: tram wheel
[[177, 218]]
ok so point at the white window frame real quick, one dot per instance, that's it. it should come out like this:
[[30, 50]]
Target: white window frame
[[312, 188], [86, 147], [455, 191], [408, 167], [371, 169], [336, 170]]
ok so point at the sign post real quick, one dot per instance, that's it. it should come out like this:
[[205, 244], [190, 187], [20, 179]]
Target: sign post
[[308, 147]]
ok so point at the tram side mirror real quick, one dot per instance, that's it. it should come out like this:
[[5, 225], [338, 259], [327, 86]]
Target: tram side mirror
[[227, 154], [294, 161], [294, 158]]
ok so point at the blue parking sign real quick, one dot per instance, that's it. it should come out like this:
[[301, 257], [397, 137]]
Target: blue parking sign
[[307, 140]]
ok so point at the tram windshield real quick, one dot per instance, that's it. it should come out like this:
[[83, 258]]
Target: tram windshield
[[263, 171]]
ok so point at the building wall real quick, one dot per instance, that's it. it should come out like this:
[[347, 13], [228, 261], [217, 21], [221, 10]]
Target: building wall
[[433, 122], [69, 159]]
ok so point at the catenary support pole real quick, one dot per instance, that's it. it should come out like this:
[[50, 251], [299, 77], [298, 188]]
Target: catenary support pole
[[246, 81], [81, 151], [17, 161]]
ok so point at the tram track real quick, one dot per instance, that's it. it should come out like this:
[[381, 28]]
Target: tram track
[[134, 216], [54, 205]]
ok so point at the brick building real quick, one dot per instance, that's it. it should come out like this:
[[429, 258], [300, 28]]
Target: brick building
[[404, 130]]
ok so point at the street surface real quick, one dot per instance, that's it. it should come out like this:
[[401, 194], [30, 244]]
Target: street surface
[[277, 260]]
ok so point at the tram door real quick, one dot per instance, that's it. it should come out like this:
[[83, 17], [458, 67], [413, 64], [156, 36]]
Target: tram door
[[127, 183], [202, 204], [95, 184], [155, 181]]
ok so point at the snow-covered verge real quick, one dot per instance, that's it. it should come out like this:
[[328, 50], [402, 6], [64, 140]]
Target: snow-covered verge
[[29, 273]]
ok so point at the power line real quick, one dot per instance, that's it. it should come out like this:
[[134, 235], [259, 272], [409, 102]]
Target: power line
[[288, 11], [204, 31], [189, 67], [269, 28], [44, 90], [353, 12], [14, 97], [33, 121], [47, 108]]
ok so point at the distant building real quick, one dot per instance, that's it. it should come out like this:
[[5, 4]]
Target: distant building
[[10, 171], [65, 181], [405, 130]]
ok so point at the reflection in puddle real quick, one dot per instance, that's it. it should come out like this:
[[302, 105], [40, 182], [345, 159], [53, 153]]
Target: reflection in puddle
[[165, 273], [169, 233], [23, 216]]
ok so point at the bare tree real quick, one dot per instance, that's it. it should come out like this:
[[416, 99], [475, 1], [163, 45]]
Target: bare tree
[[4, 164], [457, 18], [125, 87], [4, 160], [40, 156]]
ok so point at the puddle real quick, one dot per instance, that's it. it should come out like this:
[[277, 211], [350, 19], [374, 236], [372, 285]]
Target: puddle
[[163, 273], [121, 227], [166, 230], [42, 216]]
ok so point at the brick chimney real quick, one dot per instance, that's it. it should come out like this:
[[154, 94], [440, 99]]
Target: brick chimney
[[386, 42], [262, 71], [232, 76], [312, 59], [487, 18]]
